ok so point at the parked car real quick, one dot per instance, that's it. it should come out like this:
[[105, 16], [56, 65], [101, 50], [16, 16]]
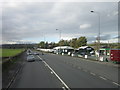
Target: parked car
[[36, 53], [74, 53], [30, 58], [29, 53], [70, 51]]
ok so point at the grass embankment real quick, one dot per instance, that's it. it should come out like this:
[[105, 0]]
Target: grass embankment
[[10, 52]]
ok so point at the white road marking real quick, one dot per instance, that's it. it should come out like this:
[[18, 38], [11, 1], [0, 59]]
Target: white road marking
[[116, 83], [92, 73], [14, 77], [63, 88], [55, 74], [51, 72], [85, 70], [102, 78], [45, 65], [79, 67]]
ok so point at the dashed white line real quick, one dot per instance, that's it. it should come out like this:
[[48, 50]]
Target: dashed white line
[[79, 67], [51, 72], [92, 73], [55, 74], [85, 70], [116, 83], [102, 78], [63, 88]]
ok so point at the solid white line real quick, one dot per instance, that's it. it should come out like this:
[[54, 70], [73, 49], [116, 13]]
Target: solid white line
[[102, 78], [55, 74], [40, 57], [116, 83], [14, 77]]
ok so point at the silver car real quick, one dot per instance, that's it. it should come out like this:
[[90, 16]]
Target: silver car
[[30, 58], [36, 53]]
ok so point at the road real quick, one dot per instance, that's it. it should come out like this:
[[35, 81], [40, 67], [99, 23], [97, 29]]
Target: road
[[35, 75], [67, 72], [0, 75]]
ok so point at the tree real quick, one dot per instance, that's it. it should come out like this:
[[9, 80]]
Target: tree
[[46, 45], [63, 43], [73, 43], [82, 41], [42, 44]]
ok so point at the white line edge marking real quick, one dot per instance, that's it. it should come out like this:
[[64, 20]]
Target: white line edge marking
[[116, 83], [14, 78], [55, 74], [102, 78]]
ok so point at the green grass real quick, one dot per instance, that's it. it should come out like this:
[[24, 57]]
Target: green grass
[[10, 52]]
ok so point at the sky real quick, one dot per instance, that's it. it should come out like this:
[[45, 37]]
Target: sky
[[37, 20]]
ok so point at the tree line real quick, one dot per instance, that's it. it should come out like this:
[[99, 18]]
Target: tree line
[[74, 42], [78, 42]]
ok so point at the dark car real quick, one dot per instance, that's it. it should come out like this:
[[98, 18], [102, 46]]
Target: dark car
[[74, 53]]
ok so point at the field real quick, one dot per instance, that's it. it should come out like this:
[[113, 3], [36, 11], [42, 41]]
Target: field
[[10, 52]]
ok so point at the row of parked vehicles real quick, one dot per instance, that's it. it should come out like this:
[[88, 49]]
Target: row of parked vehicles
[[85, 51], [105, 54], [67, 50]]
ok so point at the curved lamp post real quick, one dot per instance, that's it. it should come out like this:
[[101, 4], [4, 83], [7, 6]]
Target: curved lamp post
[[98, 38]]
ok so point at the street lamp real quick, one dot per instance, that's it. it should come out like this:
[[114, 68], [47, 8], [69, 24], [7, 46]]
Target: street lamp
[[98, 38], [59, 37], [59, 33], [44, 39]]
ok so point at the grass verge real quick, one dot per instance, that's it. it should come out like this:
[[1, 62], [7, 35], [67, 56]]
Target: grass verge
[[10, 52]]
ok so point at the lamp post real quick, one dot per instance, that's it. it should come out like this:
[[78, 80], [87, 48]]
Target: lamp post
[[59, 33], [98, 38], [59, 38], [44, 39]]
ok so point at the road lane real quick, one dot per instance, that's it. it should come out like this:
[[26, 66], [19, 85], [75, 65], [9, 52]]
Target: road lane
[[107, 71], [75, 78], [36, 75]]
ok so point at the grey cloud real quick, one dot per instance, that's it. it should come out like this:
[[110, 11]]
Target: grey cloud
[[102, 38], [31, 20]]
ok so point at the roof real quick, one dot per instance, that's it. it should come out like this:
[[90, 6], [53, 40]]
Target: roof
[[104, 48], [63, 47], [83, 47]]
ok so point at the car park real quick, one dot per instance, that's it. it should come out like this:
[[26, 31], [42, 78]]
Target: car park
[[30, 58]]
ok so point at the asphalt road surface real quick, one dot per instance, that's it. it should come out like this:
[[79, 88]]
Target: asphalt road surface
[[0, 76], [36, 75], [56, 71]]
